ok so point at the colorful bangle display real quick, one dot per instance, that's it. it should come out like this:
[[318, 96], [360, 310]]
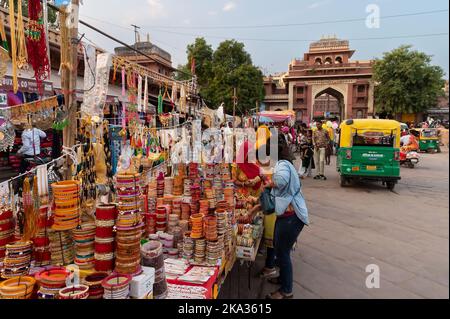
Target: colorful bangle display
[[17, 288], [74, 292]]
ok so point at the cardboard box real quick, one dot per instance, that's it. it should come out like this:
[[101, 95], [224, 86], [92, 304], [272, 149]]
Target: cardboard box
[[142, 285]]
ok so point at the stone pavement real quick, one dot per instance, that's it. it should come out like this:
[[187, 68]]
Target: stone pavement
[[404, 232]]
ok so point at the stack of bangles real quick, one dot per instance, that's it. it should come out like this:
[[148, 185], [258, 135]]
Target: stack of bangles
[[197, 226], [61, 247], [128, 257], [18, 259], [66, 195], [116, 286], [41, 242], [104, 237], [94, 282], [161, 218], [74, 292], [210, 227], [6, 231], [51, 281], [128, 218], [84, 245], [17, 288]]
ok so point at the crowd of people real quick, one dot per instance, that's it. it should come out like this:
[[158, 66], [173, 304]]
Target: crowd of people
[[315, 145]]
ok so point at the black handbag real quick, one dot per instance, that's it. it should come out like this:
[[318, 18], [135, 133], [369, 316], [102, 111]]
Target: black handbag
[[267, 201]]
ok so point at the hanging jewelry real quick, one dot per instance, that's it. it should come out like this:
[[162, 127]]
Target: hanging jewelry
[[22, 56], [12, 25], [36, 43]]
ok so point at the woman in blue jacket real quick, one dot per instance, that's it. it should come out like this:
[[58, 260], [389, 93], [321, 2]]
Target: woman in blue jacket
[[292, 216]]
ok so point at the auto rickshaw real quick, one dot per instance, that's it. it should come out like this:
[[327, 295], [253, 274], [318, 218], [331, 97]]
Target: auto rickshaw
[[428, 140], [369, 150]]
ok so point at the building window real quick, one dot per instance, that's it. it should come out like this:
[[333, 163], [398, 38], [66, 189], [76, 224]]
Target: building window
[[328, 60], [301, 101], [361, 88], [338, 60], [300, 90], [360, 100], [359, 114], [299, 116], [318, 61]]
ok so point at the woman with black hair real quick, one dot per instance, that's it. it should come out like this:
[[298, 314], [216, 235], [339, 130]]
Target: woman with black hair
[[292, 216]]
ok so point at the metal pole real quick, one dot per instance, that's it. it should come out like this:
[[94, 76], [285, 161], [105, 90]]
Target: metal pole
[[69, 78]]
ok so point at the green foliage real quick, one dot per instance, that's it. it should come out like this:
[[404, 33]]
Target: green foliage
[[224, 69], [406, 81], [202, 53], [185, 75], [52, 16]]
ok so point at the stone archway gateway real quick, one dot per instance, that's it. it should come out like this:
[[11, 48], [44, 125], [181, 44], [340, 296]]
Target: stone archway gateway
[[325, 109], [326, 68]]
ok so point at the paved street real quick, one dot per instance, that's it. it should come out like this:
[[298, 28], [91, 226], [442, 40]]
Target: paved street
[[405, 233]]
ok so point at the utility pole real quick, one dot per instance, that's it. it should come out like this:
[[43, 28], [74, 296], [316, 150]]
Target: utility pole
[[136, 40], [69, 81], [136, 33], [235, 101]]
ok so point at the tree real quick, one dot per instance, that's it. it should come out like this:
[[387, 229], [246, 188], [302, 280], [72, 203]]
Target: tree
[[201, 54], [224, 69], [406, 81]]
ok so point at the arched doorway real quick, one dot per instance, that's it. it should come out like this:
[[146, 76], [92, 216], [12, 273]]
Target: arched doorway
[[328, 104]]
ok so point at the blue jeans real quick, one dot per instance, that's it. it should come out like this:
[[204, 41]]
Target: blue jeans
[[270, 258], [287, 231]]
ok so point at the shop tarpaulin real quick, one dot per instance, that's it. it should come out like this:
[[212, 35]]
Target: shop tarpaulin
[[276, 116]]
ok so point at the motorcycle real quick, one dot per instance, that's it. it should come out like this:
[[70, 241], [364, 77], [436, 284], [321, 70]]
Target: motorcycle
[[409, 159], [41, 159]]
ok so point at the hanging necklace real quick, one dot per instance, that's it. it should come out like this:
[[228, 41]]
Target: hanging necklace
[[12, 25], [22, 56]]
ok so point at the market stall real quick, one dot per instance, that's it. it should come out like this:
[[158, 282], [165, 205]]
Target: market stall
[[140, 206]]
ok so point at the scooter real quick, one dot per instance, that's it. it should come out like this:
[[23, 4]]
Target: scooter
[[409, 159]]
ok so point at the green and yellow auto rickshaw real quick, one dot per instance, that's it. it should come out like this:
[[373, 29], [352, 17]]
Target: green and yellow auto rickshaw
[[369, 150], [428, 140]]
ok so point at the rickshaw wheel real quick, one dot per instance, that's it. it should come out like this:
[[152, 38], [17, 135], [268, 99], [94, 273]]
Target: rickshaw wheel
[[343, 181], [390, 185]]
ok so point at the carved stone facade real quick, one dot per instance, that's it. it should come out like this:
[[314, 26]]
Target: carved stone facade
[[325, 69]]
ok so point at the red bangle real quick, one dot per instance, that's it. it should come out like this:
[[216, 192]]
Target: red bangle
[[6, 241], [104, 265], [6, 226], [110, 282], [104, 248], [41, 241], [6, 215], [104, 232], [106, 212]]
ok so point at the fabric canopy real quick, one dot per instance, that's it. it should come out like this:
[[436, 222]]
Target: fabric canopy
[[276, 116]]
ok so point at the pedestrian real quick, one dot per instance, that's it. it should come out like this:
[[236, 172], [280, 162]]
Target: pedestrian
[[307, 155], [321, 142], [31, 145], [292, 216]]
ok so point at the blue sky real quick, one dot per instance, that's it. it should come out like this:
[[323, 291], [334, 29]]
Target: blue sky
[[200, 17]]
